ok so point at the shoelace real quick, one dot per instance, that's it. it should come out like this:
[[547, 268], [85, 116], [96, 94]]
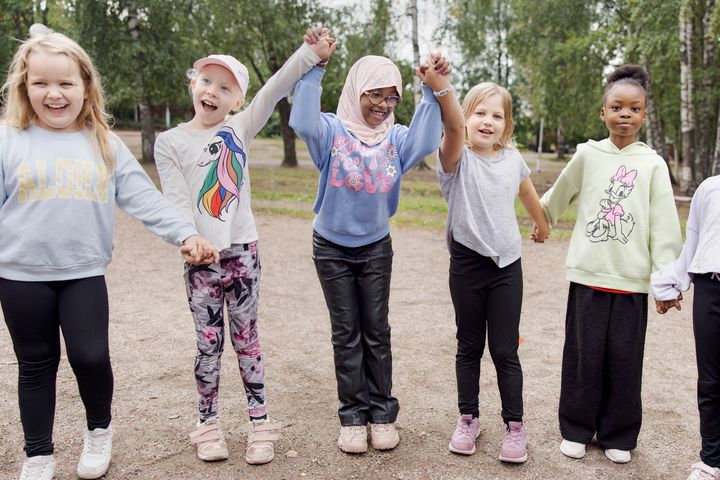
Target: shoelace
[[382, 427], [360, 430], [514, 436], [96, 444], [32, 470], [466, 427]]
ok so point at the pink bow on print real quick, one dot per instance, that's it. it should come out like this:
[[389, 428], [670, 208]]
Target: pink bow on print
[[626, 178]]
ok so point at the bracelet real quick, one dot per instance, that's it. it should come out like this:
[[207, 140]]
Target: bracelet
[[323, 63], [444, 91]]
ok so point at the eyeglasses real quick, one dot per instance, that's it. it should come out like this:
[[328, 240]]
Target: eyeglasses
[[376, 98]]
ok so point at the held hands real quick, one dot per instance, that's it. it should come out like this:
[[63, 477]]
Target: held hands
[[320, 41], [540, 233], [435, 72], [662, 306], [196, 250]]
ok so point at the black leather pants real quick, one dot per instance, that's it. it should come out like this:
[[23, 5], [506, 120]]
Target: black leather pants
[[356, 284]]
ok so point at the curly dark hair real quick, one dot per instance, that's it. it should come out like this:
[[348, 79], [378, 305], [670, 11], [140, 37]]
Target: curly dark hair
[[627, 74]]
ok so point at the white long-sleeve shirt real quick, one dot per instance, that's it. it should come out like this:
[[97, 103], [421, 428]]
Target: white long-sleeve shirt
[[204, 173], [701, 251]]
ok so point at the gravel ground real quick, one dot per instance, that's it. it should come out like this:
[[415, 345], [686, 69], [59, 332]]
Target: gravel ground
[[152, 341]]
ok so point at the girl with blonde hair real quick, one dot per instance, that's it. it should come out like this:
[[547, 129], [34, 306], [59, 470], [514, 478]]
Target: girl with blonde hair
[[62, 171]]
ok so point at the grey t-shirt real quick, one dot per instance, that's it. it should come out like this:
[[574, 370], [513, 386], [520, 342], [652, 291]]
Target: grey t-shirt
[[481, 203]]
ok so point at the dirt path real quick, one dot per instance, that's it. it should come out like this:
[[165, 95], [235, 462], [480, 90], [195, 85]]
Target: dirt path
[[153, 349]]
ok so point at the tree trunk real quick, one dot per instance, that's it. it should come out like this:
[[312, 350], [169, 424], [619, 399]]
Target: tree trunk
[[288, 135], [702, 158], [560, 143], [413, 12], [715, 167], [148, 130], [687, 115], [656, 132]]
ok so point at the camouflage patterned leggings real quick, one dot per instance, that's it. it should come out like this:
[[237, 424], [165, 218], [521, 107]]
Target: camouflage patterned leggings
[[234, 282]]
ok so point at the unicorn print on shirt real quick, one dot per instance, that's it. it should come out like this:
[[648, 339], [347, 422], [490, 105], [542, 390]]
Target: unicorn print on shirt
[[359, 167], [612, 221], [227, 160]]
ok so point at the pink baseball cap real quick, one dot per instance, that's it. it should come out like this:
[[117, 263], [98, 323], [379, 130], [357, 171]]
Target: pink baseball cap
[[231, 63]]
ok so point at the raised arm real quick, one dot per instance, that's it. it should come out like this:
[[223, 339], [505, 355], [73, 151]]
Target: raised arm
[[435, 72], [279, 85]]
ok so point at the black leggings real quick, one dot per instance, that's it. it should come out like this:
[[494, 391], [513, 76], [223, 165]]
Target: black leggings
[[486, 299], [706, 326], [33, 312]]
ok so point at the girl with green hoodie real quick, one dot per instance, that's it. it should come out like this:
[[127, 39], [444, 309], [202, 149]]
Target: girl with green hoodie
[[627, 227]]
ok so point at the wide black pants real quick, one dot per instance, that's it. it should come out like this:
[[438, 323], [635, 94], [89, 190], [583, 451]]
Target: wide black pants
[[602, 367], [34, 313], [487, 299], [706, 326], [356, 284]]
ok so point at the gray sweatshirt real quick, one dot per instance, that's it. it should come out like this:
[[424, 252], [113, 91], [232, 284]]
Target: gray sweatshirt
[[57, 209]]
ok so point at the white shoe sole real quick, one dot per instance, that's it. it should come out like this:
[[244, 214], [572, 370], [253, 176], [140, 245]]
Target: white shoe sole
[[461, 452], [522, 459], [616, 459]]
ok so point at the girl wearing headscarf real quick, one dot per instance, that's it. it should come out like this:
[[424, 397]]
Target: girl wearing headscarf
[[361, 155]]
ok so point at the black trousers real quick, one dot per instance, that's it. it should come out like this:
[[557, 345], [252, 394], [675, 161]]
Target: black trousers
[[486, 299], [602, 367], [356, 284], [706, 326], [34, 313]]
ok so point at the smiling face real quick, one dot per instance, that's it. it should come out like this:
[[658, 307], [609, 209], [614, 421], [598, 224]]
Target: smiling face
[[486, 125], [624, 113], [56, 91], [375, 115], [215, 93]]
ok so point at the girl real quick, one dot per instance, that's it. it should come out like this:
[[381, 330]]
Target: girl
[[626, 227], [361, 155], [480, 174], [203, 169], [60, 170], [699, 263]]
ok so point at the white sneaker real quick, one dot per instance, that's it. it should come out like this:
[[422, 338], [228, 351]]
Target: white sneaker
[[41, 467], [572, 449], [703, 471], [617, 456], [96, 454]]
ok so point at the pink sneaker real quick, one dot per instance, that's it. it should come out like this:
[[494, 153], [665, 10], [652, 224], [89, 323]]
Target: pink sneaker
[[466, 432], [514, 446]]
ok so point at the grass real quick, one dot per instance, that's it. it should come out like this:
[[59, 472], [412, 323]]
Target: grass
[[291, 192]]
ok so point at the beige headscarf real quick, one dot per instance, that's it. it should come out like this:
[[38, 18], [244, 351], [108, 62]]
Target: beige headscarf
[[368, 73]]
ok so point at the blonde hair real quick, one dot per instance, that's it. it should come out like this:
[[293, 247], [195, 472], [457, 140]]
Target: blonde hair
[[18, 111], [480, 93]]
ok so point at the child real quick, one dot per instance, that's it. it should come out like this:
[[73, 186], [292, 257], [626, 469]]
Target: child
[[699, 263], [60, 170], [480, 174], [625, 229], [203, 169], [361, 155]]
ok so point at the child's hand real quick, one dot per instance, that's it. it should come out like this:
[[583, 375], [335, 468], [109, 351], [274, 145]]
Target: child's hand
[[428, 72], [662, 306], [540, 233], [320, 41], [197, 250]]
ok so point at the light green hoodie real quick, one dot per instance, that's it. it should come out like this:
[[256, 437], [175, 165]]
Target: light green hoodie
[[627, 225]]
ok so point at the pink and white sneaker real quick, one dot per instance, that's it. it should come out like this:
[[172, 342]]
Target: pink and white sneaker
[[514, 446], [466, 432]]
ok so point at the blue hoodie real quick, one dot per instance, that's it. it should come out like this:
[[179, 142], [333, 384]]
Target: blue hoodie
[[359, 185]]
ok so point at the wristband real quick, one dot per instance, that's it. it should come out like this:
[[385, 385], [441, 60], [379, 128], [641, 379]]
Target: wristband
[[444, 91], [323, 63]]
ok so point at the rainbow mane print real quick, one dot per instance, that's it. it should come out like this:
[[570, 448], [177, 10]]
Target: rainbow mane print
[[224, 180]]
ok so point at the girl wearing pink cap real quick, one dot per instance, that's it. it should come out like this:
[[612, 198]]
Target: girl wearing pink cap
[[203, 170], [361, 155]]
